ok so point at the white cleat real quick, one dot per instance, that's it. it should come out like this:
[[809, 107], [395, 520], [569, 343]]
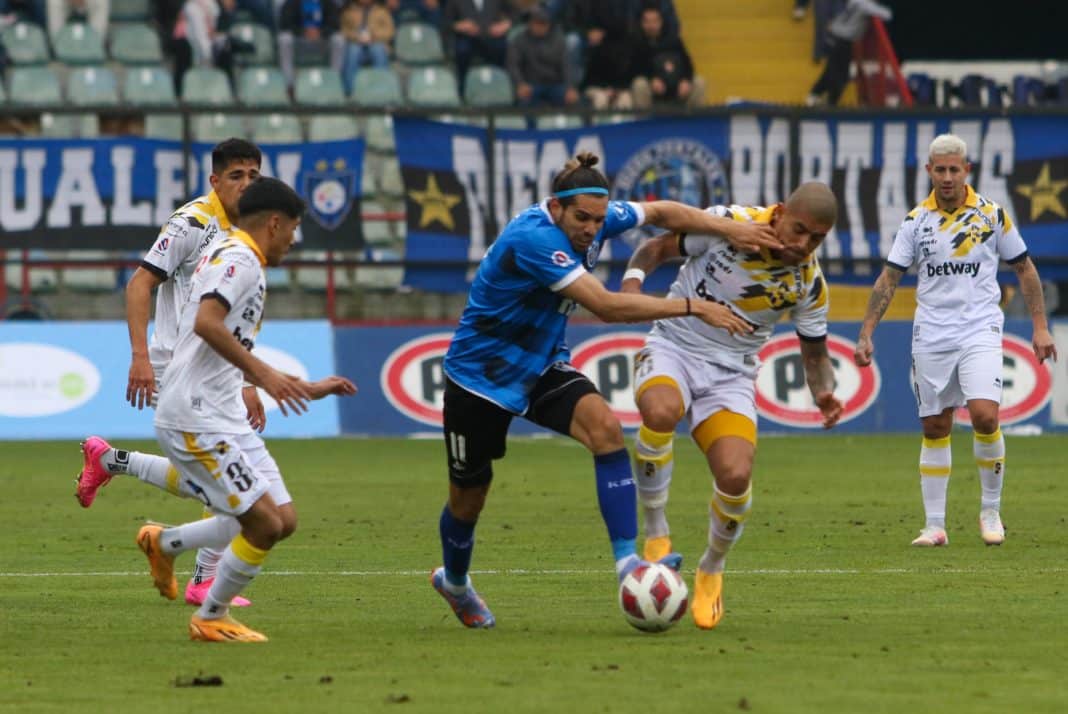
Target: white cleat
[[990, 527], [931, 537]]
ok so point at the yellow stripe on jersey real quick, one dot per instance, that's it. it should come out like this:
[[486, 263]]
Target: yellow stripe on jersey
[[172, 481], [218, 211], [203, 456], [724, 423]]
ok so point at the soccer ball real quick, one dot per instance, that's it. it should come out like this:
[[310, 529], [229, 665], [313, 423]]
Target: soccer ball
[[653, 597]]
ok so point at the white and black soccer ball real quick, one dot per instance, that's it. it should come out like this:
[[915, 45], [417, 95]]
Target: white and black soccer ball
[[653, 597]]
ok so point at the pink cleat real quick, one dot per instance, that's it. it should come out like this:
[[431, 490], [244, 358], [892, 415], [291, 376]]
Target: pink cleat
[[195, 593], [93, 475]]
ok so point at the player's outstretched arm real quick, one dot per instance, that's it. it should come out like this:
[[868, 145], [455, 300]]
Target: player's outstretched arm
[[331, 385], [628, 307], [680, 218], [648, 256], [141, 382], [287, 390], [1031, 288], [819, 374], [882, 294]]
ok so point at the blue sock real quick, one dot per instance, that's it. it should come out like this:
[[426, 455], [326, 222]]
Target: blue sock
[[618, 500], [457, 541]]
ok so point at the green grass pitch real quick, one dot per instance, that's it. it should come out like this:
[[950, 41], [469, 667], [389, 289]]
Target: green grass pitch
[[828, 608]]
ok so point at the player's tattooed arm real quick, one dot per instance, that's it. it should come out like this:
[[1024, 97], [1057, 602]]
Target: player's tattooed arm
[[819, 374], [1031, 289], [882, 294]]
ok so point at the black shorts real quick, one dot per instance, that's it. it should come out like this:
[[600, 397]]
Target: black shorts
[[476, 429]]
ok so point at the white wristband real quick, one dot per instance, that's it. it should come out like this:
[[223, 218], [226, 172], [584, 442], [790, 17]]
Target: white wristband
[[635, 273]]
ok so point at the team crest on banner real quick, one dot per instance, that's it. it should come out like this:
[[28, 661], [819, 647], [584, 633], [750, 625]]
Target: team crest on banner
[[677, 169], [330, 189]]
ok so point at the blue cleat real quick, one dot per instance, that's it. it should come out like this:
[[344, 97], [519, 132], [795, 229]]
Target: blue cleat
[[672, 560], [469, 607]]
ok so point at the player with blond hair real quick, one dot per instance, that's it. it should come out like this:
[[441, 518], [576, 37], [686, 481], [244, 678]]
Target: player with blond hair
[[956, 238]]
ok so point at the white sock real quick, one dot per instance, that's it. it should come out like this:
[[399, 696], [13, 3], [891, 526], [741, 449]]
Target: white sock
[[989, 451], [936, 463], [157, 471], [654, 462], [207, 562], [216, 532], [726, 516], [234, 574]]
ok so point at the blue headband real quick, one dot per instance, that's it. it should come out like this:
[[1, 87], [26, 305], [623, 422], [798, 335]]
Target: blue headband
[[597, 190]]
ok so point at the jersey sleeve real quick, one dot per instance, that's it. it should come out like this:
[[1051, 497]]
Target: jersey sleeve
[[230, 277], [174, 244], [546, 262], [690, 245], [810, 315], [1011, 246], [621, 217], [903, 250]]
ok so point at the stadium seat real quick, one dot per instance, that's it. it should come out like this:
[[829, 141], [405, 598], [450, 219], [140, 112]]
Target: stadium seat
[[277, 278], [488, 86], [206, 85], [391, 182], [599, 119], [130, 10], [37, 86], [332, 127], [558, 121], [260, 38], [148, 87], [277, 129], [163, 126], [89, 278], [376, 231], [377, 87], [135, 44], [213, 128], [319, 86], [378, 132], [433, 87], [39, 279], [70, 126], [262, 86], [79, 43], [314, 277], [92, 85], [380, 278], [1028, 91], [417, 43], [26, 44], [368, 178]]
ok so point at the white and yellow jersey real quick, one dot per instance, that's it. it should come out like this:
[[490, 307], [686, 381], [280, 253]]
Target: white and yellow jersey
[[756, 286], [201, 390], [173, 258], [957, 258]]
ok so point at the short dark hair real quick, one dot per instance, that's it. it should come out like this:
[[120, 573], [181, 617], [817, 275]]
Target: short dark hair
[[579, 172], [267, 194], [233, 149]]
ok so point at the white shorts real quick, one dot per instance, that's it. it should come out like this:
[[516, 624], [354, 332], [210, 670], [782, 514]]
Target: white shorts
[[706, 387], [230, 472], [946, 380]]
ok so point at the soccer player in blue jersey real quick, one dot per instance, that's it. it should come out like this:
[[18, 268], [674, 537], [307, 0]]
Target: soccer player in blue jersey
[[509, 358]]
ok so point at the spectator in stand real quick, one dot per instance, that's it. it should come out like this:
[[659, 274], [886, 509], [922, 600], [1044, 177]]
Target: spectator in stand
[[262, 11], [11, 11], [538, 63], [477, 29], [844, 29], [91, 12], [598, 39], [310, 28], [428, 11], [368, 30], [200, 37], [663, 72]]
